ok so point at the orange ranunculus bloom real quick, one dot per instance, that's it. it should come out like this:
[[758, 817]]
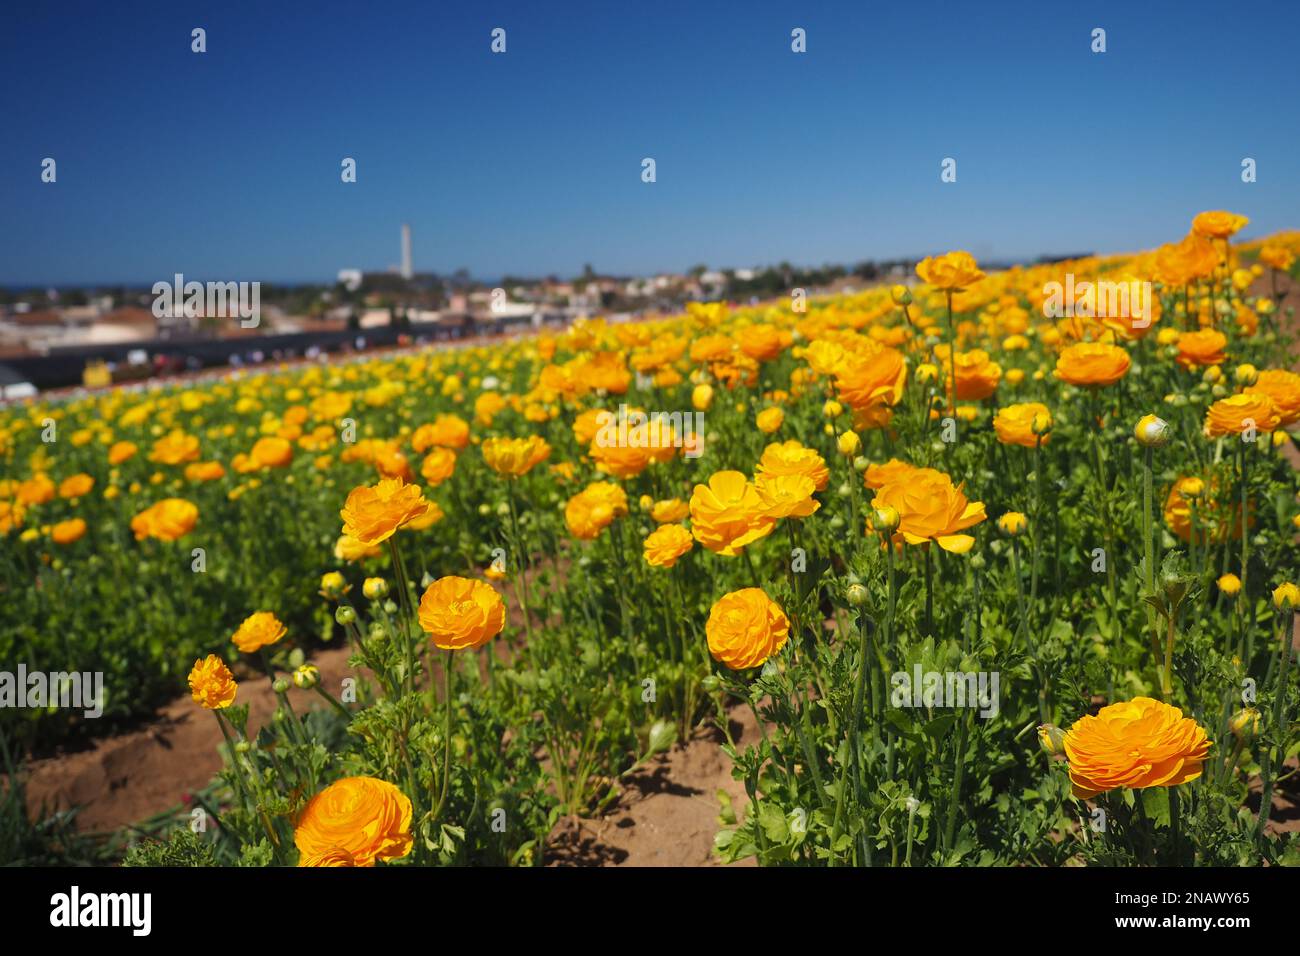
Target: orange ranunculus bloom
[[1137, 744], [763, 342], [1284, 388], [1218, 224], [745, 628], [793, 458], [1202, 348], [787, 496], [1239, 413], [514, 457], [449, 431], [373, 513], [165, 520], [121, 451], [977, 374], [461, 613], [75, 486], [438, 466], [877, 476], [1092, 364], [727, 514], [204, 471], [593, 509], [272, 452], [770, 419], [356, 821], [666, 544], [426, 520], [950, 271], [1015, 424], [211, 683], [348, 548], [66, 532], [874, 375], [1277, 257], [36, 490], [175, 448], [1181, 263], [588, 424], [931, 508], [260, 629]]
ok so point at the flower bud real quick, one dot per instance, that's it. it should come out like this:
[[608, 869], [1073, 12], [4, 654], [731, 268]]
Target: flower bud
[[1192, 488], [901, 294], [333, 585], [862, 463], [849, 444], [1286, 597], [856, 595], [1052, 739], [242, 746], [374, 588], [1245, 374], [1013, 524], [710, 683], [1230, 584], [280, 686], [345, 614], [1152, 432], [306, 677], [832, 409], [702, 397], [1244, 724], [885, 519]]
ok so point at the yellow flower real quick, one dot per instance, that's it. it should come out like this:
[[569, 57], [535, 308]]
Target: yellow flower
[[272, 452], [977, 374], [669, 511], [1024, 424], [1137, 744], [333, 585], [260, 629], [727, 514], [702, 397], [770, 419], [211, 683], [1283, 387], [1218, 224], [666, 544], [745, 628], [931, 508], [1013, 524], [374, 588], [1278, 257], [515, 456], [1092, 364], [166, 520], [877, 476], [950, 271], [355, 821], [461, 613], [1202, 348], [1230, 584], [1286, 597], [348, 548], [786, 496], [175, 448], [448, 431], [848, 444], [1151, 432], [373, 514], [1239, 413]]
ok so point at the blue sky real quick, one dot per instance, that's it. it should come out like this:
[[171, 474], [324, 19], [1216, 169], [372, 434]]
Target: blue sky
[[226, 165]]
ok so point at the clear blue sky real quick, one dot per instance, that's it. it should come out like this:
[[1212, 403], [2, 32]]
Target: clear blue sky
[[226, 165]]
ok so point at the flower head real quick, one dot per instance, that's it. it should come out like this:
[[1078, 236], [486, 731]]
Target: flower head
[[666, 544], [372, 513], [355, 821], [745, 628], [211, 683], [1137, 744], [461, 613], [514, 457], [932, 508], [260, 629]]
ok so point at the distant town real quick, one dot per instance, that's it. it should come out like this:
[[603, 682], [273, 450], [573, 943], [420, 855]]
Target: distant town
[[94, 336]]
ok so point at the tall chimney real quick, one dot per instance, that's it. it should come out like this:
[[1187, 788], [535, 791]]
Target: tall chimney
[[406, 251]]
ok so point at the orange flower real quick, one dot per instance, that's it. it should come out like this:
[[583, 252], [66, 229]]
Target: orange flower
[[449, 431], [373, 514], [950, 271], [355, 821], [76, 486], [1218, 224], [931, 508], [66, 532], [593, 509], [1202, 348], [787, 496], [666, 544], [348, 548], [272, 452], [1277, 257], [669, 511], [438, 466], [1240, 413], [460, 613], [873, 376], [121, 451], [204, 471], [727, 514], [260, 629], [1216, 519], [877, 476], [514, 457], [166, 520], [1092, 364], [1026, 424], [745, 628], [769, 420], [763, 342], [792, 458], [1284, 388], [211, 683], [977, 374], [36, 490], [1138, 743]]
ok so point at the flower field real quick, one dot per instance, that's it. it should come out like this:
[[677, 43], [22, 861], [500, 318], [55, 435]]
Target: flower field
[[1002, 564]]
